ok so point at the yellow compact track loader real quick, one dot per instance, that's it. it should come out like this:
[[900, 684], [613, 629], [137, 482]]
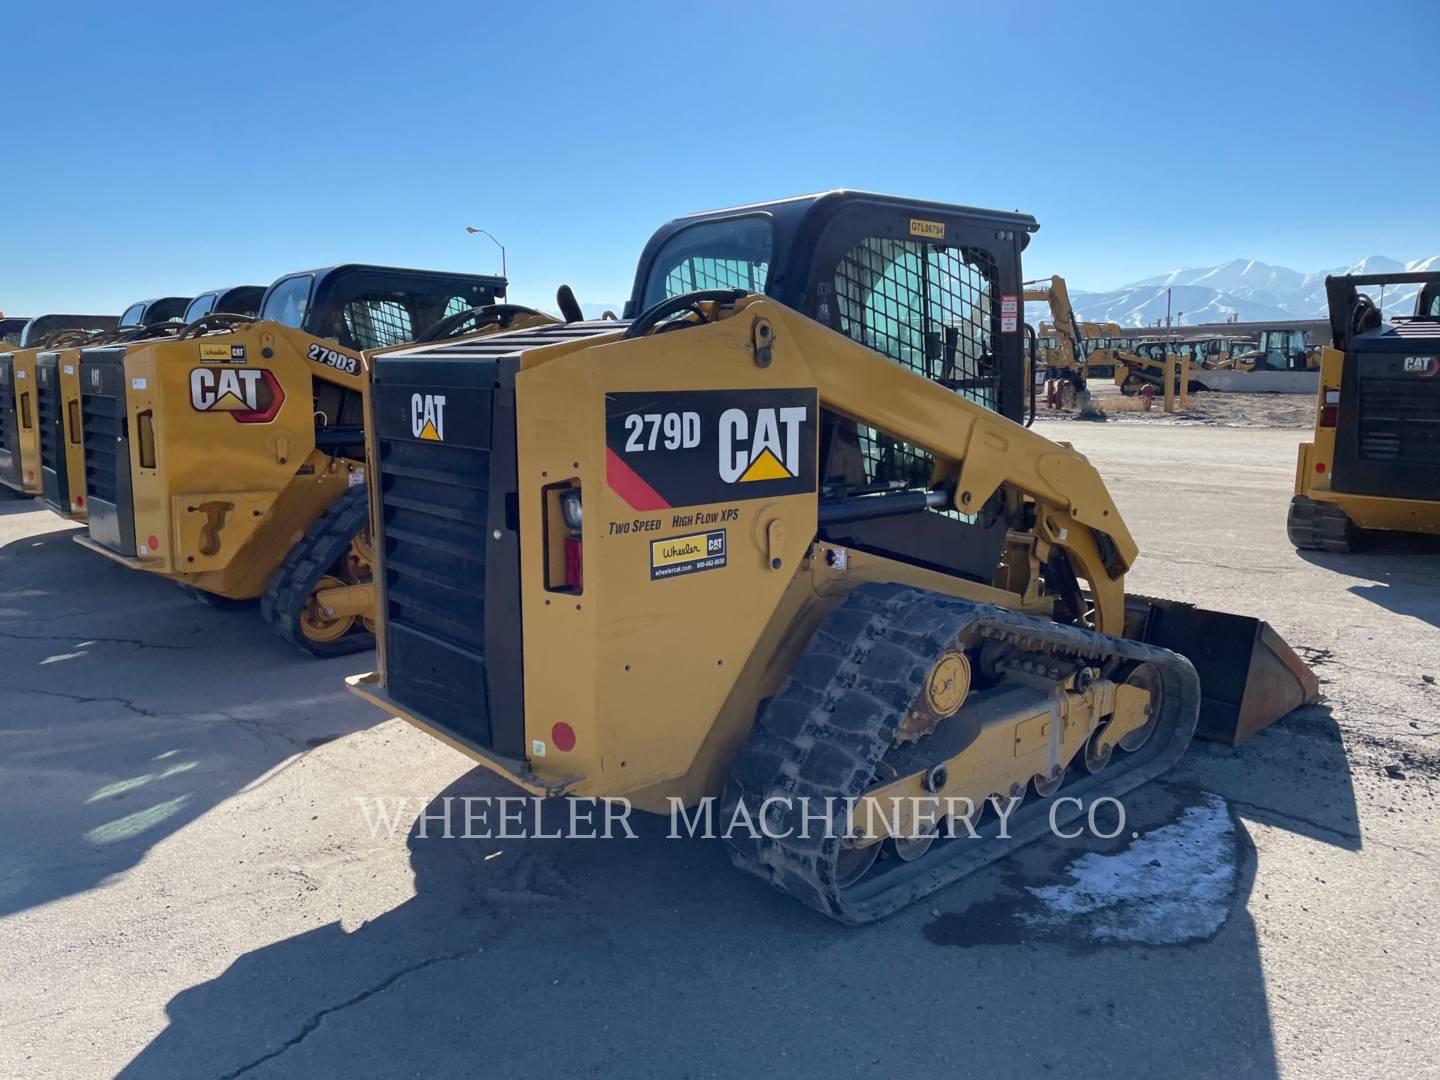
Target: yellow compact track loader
[[229, 456], [778, 536], [57, 379], [1374, 461], [19, 411]]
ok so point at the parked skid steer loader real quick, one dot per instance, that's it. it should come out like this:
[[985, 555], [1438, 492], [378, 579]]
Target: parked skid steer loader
[[781, 534], [57, 378], [19, 405], [1374, 461], [229, 456]]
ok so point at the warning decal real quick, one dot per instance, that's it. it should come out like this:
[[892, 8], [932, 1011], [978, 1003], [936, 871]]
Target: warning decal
[[1009, 313], [687, 554]]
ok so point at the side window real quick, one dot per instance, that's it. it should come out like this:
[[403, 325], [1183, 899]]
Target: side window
[[133, 314], [288, 301], [201, 306], [725, 254], [374, 322], [931, 309], [455, 305]]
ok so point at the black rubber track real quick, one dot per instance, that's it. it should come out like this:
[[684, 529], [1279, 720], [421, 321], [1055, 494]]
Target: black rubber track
[[1313, 525], [826, 731], [324, 544]]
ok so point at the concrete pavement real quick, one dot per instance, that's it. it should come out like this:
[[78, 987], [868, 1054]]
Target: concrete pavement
[[188, 889]]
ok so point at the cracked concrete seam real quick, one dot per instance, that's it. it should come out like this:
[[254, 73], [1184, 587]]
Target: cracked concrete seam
[[99, 640], [256, 727], [316, 1019]]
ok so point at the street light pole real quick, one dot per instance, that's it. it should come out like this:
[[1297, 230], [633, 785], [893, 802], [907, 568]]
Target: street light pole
[[472, 231]]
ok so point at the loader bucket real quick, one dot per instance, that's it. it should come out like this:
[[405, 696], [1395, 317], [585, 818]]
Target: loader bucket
[[1249, 676]]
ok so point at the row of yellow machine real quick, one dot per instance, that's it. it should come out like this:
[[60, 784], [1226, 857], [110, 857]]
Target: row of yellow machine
[[1070, 348], [781, 535]]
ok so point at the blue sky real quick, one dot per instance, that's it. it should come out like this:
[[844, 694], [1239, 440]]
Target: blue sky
[[157, 148]]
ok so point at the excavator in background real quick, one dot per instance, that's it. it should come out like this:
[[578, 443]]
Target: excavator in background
[[19, 417], [58, 399], [228, 455], [1373, 463], [1066, 358], [780, 535]]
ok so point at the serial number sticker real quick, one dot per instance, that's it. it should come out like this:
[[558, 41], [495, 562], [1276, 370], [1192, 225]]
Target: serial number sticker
[[69, 369], [137, 384], [330, 357], [677, 555], [919, 227]]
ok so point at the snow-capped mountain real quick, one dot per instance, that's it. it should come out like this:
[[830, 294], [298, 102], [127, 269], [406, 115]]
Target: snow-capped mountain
[[1249, 290]]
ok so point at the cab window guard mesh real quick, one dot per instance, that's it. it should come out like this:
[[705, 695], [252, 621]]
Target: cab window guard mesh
[[701, 273], [930, 309], [374, 323]]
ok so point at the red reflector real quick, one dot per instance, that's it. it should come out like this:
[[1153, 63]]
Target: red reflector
[[574, 563], [79, 501], [1319, 466], [152, 542], [562, 735], [1328, 414]]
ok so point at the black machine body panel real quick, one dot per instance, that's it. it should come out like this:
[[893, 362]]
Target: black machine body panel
[[1387, 432], [54, 476], [9, 422], [107, 448]]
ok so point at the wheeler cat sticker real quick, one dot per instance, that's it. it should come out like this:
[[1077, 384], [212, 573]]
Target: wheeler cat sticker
[[222, 354], [679, 555], [688, 448], [249, 395]]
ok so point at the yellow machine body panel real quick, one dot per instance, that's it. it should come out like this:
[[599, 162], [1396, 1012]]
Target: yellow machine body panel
[[224, 470], [23, 473], [653, 627]]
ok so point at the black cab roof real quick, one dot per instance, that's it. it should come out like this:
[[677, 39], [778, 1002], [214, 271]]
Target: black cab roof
[[797, 225]]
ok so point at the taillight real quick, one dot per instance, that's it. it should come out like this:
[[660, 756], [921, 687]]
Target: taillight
[[574, 563], [1330, 408], [565, 552]]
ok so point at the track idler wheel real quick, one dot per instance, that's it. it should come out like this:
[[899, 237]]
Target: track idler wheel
[[1045, 786], [853, 863], [1098, 750], [1146, 677]]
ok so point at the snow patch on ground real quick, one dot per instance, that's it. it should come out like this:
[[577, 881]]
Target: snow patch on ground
[[1170, 886]]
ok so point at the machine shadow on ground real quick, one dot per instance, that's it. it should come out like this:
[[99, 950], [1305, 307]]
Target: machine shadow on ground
[[1404, 568], [127, 710], [579, 957], [13, 504]]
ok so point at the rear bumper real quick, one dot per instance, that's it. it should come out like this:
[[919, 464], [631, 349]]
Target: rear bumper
[[22, 489], [1382, 513], [516, 770], [124, 560]]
